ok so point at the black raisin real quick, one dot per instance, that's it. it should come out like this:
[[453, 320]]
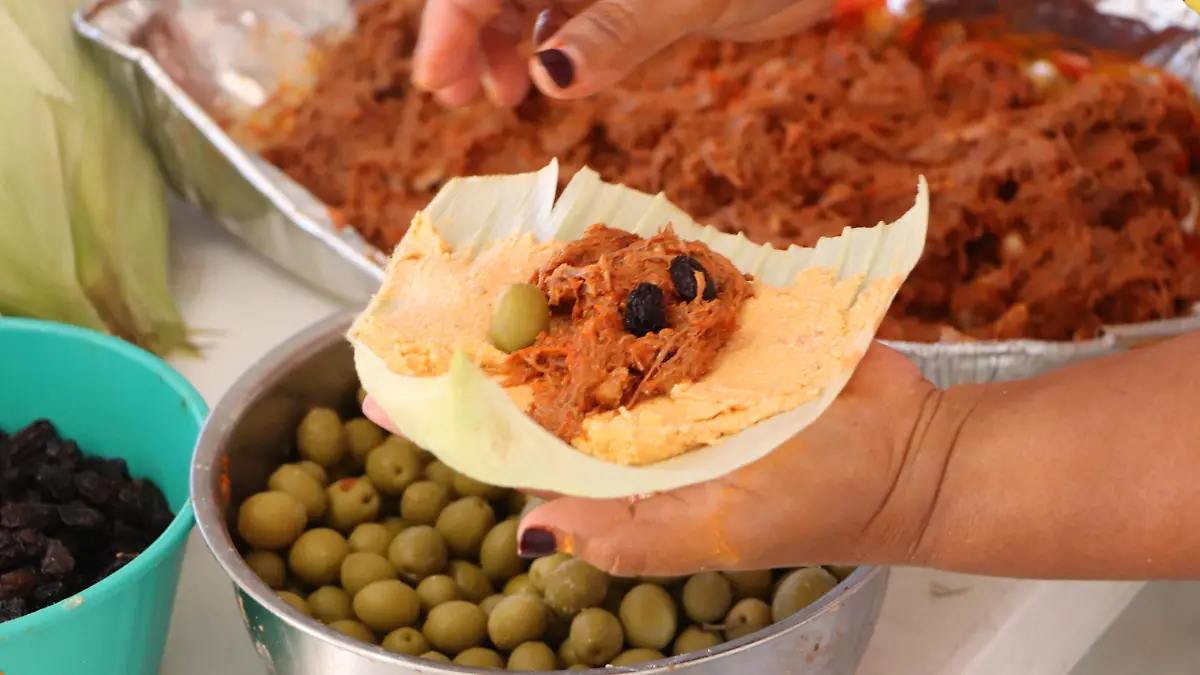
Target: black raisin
[[78, 515], [32, 542], [17, 584], [57, 561], [11, 552], [50, 592], [683, 275], [120, 561], [95, 488], [13, 608], [28, 514], [56, 481], [645, 311]]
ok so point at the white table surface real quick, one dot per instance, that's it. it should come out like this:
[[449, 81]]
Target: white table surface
[[932, 623]]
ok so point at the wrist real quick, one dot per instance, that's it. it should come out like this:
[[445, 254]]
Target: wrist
[[928, 448]]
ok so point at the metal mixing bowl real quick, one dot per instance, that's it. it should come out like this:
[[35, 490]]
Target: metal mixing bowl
[[251, 431]]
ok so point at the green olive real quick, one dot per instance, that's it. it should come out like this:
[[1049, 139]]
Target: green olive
[[362, 436], [370, 538], [436, 590], [361, 569], [394, 465], [316, 557], [489, 603], [330, 603], [407, 640], [799, 589], [532, 656], [635, 656], [479, 657], [695, 639], [498, 552], [840, 572], [469, 487], [520, 584], [455, 626], [300, 484], [295, 601], [435, 656], [321, 438], [354, 629], [352, 501], [746, 617], [395, 525], [269, 567], [707, 597], [649, 616], [596, 637], [418, 552], [540, 569], [750, 584], [387, 605], [472, 583], [438, 472], [313, 469], [271, 520], [516, 502], [575, 586], [519, 314], [423, 501], [517, 619], [464, 523], [567, 657]]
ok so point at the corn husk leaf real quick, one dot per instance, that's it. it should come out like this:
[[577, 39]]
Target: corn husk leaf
[[472, 425], [83, 216]]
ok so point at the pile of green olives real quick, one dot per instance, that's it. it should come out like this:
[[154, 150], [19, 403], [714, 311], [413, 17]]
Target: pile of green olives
[[375, 538]]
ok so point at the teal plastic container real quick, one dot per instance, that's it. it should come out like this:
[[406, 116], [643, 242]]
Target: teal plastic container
[[114, 400]]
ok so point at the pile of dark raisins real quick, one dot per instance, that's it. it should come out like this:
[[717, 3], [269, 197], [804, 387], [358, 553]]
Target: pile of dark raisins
[[66, 520]]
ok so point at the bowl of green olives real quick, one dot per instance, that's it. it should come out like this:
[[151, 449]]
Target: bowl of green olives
[[352, 550]]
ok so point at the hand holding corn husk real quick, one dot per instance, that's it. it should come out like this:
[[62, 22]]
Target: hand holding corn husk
[[83, 218], [756, 361]]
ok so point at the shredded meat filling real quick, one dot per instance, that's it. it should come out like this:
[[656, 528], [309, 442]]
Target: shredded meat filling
[[589, 361], [1056, 204]]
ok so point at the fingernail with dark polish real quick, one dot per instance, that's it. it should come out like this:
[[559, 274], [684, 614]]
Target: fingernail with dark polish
[[557, 66], [536, 543]]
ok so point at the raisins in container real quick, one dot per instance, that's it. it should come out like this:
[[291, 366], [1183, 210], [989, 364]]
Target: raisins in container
[[67, 520], [645, 310]]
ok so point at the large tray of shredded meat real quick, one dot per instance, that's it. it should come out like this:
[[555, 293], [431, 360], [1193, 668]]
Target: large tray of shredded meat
[[1061, 139]]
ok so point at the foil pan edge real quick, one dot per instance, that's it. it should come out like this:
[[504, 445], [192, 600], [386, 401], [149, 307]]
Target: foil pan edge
[[201, 162]]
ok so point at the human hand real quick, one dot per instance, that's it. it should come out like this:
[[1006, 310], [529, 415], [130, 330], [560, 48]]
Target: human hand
[[849, 489], [581, 46]]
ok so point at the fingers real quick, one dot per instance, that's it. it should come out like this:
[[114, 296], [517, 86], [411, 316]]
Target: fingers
[[674, 533], [373, 412], [448, 41], [504, 76], [607, 40]]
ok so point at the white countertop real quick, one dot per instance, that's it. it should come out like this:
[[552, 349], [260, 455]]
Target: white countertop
[[932, 623]]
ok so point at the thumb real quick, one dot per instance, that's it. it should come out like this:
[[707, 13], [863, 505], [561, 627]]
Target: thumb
[[608, 39], [669, 534]]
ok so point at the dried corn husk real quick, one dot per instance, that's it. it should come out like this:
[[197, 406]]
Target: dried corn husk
[[471, 424], [83, 217]]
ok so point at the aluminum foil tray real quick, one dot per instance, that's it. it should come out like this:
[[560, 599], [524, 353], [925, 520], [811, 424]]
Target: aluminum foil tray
[[178, 63]]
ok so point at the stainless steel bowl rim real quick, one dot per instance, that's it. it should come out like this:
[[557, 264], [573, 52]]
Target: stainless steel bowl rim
[[210, 520]]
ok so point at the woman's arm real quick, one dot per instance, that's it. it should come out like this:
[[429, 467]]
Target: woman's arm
[[1089, 471]]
